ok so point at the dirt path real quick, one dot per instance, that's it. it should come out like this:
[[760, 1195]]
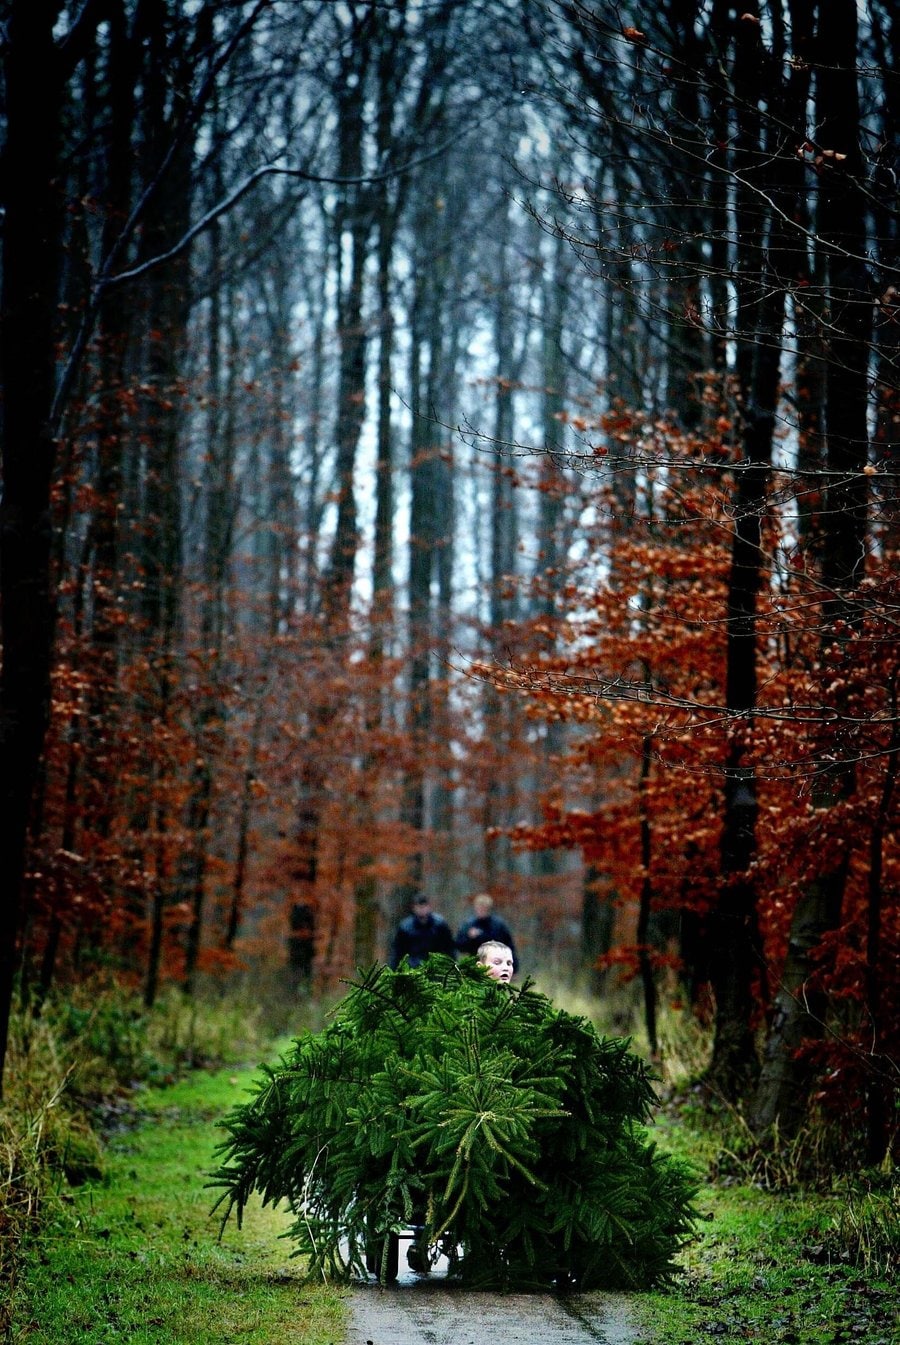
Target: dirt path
[[421, 1310]]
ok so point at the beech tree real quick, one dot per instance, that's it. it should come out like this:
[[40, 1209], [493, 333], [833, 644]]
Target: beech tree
[[48, 38], [31, 265], [787, 225]]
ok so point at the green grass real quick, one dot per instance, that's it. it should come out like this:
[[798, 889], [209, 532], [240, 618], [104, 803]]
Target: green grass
[[136, 1256], [778, 1268]]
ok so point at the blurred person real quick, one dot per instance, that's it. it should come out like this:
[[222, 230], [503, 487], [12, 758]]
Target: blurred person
[[483, 927], [421, 932]]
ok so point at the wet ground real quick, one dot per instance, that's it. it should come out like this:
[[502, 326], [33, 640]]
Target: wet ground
[[430, 1310]]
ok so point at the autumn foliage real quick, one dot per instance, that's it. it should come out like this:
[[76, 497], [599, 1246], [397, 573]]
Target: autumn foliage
[[452, 447], [637, 668]]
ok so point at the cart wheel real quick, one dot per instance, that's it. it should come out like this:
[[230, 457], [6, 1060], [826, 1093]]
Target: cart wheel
[[417, 1259]]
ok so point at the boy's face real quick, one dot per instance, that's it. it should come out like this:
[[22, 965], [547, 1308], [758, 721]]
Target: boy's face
[[499, 964]]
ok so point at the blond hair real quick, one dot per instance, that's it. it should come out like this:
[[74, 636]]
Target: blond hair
[[484, 948]]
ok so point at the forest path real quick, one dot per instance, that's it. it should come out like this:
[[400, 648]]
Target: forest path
[[434, 1311], [439, 1314]]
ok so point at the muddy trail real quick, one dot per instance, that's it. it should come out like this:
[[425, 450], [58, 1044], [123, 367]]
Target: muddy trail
[[432, 1310]]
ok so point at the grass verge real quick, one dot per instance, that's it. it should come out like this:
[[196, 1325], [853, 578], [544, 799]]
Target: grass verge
[[134, 1256], [790, 1267]]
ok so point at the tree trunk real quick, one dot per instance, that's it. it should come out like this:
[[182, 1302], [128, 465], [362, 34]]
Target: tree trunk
[[352, 227], [781, 1096], [597, 922], [799, 1012], [31, 263], [421, 555], [208, 708], [882, 1081], [504, 537], [763, 280], [645, 963], [365, 905], [165, 221], [115, 321]]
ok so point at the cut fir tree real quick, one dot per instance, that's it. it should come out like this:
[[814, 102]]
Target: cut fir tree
[[508, 1131]]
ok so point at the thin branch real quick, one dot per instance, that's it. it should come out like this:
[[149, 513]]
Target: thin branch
[[268, 170]]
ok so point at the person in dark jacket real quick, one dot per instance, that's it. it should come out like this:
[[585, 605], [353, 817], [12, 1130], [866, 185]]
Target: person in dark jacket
[[484, 927], [421, 933]]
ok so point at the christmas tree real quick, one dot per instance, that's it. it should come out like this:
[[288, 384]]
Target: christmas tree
[[508, 1132]]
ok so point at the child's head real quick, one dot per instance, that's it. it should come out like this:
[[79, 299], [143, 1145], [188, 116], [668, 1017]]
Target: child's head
[[497, 959]]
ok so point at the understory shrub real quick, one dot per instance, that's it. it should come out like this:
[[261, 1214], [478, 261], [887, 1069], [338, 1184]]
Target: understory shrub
[[46, 1139], [510, 1132], [101, 1027], [867, 1230], [116, 1041]]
